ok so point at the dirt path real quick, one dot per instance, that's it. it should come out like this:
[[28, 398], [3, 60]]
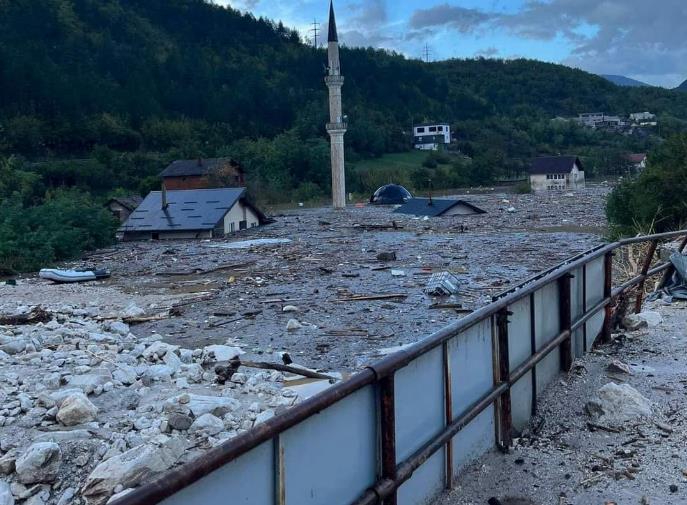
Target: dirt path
[[566, 463]]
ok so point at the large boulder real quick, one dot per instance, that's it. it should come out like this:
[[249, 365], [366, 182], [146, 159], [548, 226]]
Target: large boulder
[[76, 409], [617, 404], [131, 469], [39, 463], [213, 353], [199, 405]]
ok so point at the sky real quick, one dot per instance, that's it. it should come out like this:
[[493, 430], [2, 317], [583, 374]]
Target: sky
[[641, 39]]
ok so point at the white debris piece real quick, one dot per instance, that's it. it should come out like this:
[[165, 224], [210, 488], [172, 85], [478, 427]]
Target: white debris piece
[[617, 404]]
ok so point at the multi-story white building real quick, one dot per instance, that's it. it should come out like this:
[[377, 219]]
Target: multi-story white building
[[638, 117], [591, 119], [429, 136]]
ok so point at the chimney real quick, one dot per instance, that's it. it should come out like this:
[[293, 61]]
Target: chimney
[[165, 204]]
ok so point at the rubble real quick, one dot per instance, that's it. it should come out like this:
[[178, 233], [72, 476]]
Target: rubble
[[39, 463], [114, 370]]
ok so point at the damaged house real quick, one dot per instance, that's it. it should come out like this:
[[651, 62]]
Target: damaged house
[[203, 174], [433, 207], [192, 214], [557, 173]]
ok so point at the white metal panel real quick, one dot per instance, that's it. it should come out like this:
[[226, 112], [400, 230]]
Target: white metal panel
[[519, 333], [595, 293], [521, 402], [419, 397], [332, 457], [248, 480], [472, 377], [577, 309], [546, 328]]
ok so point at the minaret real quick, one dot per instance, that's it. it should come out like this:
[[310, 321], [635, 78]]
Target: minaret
[[337, 125]]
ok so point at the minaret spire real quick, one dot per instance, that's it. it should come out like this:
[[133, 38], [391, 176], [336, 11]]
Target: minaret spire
[[337, 125], [333, 36]]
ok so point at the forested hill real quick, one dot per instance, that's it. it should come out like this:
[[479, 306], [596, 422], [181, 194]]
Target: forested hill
[[77, 73]]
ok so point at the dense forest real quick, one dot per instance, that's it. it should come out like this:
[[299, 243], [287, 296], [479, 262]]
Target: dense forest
[[99, 95]]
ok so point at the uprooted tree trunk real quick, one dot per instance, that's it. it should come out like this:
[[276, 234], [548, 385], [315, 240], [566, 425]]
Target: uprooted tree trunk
[[37, 315]]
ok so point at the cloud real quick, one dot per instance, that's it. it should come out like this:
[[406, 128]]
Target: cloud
[[367, 26], [458, 18], [629, 37], [489, 52]]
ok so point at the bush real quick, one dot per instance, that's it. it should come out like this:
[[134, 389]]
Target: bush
[[656, 198], [67, 224], [523, 187]]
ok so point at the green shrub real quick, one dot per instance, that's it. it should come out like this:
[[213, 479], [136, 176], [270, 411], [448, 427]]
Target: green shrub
[[61, 228], [656, 198], [523, 187]]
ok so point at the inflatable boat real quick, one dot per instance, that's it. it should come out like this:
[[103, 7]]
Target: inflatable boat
[[68, 276]]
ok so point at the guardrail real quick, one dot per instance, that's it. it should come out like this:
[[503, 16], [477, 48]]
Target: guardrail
[[403, 428]]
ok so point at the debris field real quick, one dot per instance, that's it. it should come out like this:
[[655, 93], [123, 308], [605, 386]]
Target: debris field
[[104, 384]]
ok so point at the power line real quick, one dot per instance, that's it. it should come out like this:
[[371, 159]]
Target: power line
[[315, 30]]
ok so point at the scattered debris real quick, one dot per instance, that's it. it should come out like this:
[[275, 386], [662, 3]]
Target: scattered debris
[[617, 366], [617, 404], [442, 284], [386, 256]]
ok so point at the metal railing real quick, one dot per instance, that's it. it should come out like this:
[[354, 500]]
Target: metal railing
[[401, 429]]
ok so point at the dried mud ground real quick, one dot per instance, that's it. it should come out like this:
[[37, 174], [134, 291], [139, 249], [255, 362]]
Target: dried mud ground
[[330, 257], [564, 463]]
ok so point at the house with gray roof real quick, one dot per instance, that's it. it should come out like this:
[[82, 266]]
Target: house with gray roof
[[557, 173], [433, 207], [192, 214], [203, 174]]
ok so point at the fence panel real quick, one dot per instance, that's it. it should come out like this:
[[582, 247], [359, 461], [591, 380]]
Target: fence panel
[[520, 349], [546, 328], [248, 480], [471, 357], [577, 306], [419, 398], [595, 293], [332, 457]]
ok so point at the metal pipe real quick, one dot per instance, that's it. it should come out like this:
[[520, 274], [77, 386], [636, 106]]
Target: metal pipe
[[388, 432], [645, 268], [448, 412], [525, 367], [505, 411], [608, 293], [565, 321]]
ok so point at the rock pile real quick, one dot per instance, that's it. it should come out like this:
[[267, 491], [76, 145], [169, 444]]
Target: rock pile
[[89, 410]]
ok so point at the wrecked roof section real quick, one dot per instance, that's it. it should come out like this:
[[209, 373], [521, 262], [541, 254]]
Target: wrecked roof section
[[433, 207]]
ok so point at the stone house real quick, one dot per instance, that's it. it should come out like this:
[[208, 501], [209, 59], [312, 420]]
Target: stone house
[[557, 173]]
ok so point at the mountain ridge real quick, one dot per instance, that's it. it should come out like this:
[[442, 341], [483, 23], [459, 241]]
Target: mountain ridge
[[621, 80]]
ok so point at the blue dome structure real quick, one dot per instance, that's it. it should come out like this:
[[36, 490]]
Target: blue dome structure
[[391, 194]]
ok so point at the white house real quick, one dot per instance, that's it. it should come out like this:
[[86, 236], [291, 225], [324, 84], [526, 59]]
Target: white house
[[557, 173], [429, 136], [591, 119], [192, 214], [639, 117]]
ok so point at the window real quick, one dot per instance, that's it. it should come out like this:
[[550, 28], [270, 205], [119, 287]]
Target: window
[[432, 128], [232, 227], [440, 128], [254, 225], [421, 130], [243, 225]]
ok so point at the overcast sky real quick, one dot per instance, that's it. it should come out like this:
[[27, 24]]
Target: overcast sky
[[642, 39]]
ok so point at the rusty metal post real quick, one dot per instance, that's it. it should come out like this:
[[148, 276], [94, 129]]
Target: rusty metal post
[[671, 269], [645, 269], [448, 411], [388, 429], [565, 319], [608, 293], [506, 415]]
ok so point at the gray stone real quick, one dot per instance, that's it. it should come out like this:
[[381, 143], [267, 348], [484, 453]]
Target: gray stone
[[207, 424], [89, 382], [158, 349], [76, 409], [213, 353], [179, 421], [119, 328], [6, 497], [172, 361], [293, 325], [67, 496], [264, 416], [39, 463], [157, 373], [199, 405], [125, 374], [14, 346], [63, 436], [7, 463], [131, 468]]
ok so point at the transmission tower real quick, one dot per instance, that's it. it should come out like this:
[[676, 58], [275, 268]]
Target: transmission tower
[[426, 53], [315, 30]]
